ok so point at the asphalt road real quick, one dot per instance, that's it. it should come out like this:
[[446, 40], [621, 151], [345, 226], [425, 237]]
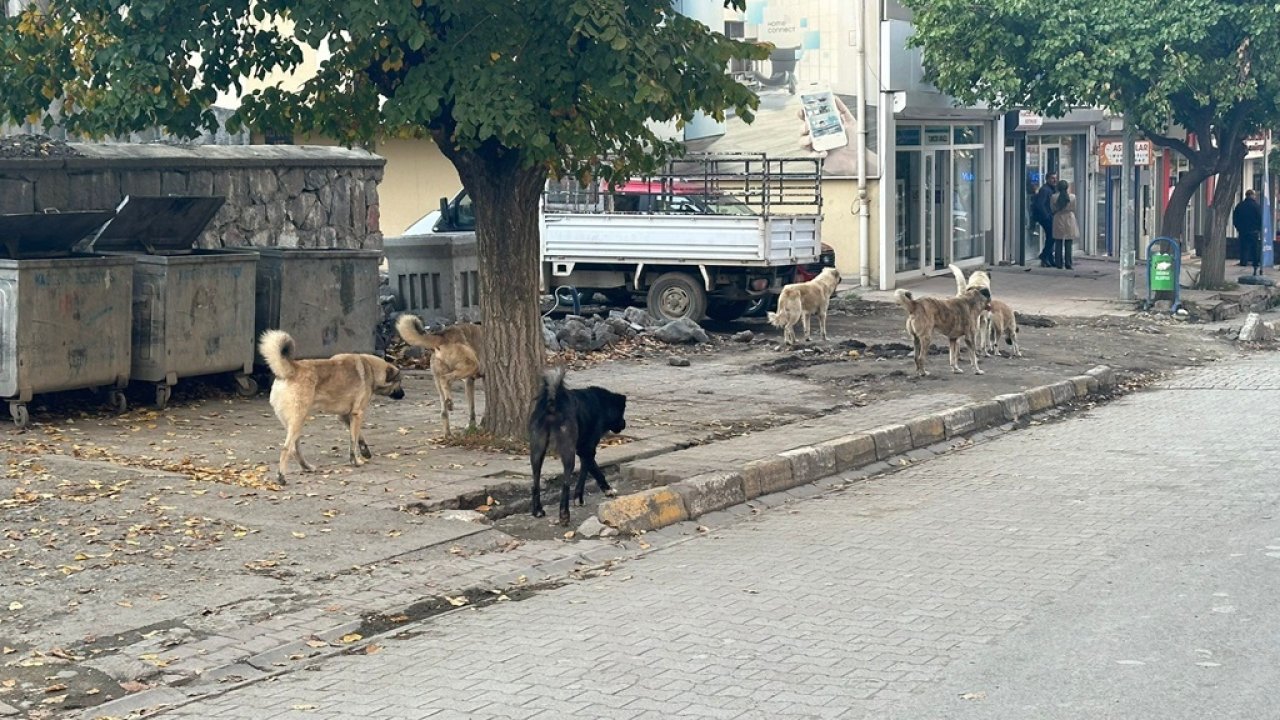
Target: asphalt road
[[1122, 563]]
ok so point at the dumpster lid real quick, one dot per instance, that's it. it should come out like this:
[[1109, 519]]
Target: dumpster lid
[[26, 235], [157, 225]]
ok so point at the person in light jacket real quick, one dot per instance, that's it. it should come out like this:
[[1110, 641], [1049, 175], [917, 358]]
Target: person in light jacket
[[1066, 229]]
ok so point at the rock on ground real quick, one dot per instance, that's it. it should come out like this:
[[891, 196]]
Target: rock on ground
[[683, 330]]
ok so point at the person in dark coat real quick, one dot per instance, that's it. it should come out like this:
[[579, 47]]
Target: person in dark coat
[[1247, 218], [1042, 213]]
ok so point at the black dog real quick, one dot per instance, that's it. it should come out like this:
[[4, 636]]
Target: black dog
[[575, 421]]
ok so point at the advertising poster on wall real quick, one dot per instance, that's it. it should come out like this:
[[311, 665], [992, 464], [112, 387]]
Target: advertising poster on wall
[[812, 70]]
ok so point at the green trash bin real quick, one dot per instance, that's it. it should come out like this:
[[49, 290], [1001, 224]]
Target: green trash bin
[[1162, 279]]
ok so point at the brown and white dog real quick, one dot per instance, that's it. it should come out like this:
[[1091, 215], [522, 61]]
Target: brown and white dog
[[798, 301], [1003, 324], [342, 385], [955, 317]]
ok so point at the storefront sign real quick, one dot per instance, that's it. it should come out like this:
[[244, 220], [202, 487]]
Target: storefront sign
[[1028, 120], [1111, 153]]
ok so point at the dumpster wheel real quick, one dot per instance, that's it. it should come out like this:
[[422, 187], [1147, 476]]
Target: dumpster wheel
[[163, 392], [246, 386], [118, 401], [19, 413]]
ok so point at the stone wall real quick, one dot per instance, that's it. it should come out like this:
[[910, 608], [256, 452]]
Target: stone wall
[[277, 195]]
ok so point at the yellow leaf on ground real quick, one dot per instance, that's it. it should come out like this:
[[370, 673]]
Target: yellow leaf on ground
[[373, 650], [456, 601], [352, 637]]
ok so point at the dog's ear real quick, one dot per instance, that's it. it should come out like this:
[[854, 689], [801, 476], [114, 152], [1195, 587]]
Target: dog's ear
[[393, 373]]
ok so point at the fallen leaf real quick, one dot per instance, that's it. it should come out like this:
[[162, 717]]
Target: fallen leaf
[[457, 601], [317, 643], [373, 650], [352, 637], [8, 650], [54, 700], [55, 688], [15, 605], [124, 604], [133, 686], [569, 535], [298, 535], [973, 696], [305, 707]]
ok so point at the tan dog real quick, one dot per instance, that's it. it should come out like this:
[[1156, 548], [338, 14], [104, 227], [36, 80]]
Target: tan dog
[[457, 353], [342, 385], [798, 301], [1004, 324], [979, 279], [956, 318]]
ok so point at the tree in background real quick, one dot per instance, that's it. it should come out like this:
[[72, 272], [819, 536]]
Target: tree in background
[[1206, 67], [510, 91]]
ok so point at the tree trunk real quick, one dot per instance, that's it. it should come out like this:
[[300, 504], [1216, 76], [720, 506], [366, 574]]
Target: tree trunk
[[1213, 266], [1174, 221], [505, 197]]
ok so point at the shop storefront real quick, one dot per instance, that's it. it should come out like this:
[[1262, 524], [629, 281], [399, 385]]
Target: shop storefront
[[941, 195]]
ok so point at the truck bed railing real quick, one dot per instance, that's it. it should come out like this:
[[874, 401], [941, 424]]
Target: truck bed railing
[[702, 184]]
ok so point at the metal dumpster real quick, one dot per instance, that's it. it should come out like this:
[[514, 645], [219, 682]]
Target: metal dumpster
[[192, 308], [64, 316], [326, 299]]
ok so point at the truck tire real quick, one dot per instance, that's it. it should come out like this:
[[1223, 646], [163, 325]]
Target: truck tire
[[726, 310], [676, 295]]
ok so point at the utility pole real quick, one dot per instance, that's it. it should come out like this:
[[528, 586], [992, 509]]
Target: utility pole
[[1128, 254]]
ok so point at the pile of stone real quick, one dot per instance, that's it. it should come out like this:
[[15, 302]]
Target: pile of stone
[[581, 333], [586, 334], [35, 146]]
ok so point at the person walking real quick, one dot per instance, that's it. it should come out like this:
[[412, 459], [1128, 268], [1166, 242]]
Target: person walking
[[1065, 226], [1042, 213], [1247, 218]]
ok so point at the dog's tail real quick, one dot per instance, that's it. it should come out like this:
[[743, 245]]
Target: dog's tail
[[787, 310], [413, 332], [904, 298], [960, 282], [550, 407], [276, 347]]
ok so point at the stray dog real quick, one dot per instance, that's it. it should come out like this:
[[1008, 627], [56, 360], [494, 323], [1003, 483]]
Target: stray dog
[[457, 354], [1004, 324], [979, 279], [798, 301], [955, 318], [342, 385], [574, 422]]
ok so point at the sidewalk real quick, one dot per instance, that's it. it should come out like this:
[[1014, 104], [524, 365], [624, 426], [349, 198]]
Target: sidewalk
[[1092, 288], [149, 551]]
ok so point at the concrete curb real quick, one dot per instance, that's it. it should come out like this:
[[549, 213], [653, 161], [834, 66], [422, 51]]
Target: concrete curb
[[692, 497]]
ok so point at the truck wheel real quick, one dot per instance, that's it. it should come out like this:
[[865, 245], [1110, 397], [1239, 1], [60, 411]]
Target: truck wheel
[[676, 295], [726, 310]]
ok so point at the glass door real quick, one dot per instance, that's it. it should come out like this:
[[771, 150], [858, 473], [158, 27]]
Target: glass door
[[938, 210], [908, 212], [966, 234]]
